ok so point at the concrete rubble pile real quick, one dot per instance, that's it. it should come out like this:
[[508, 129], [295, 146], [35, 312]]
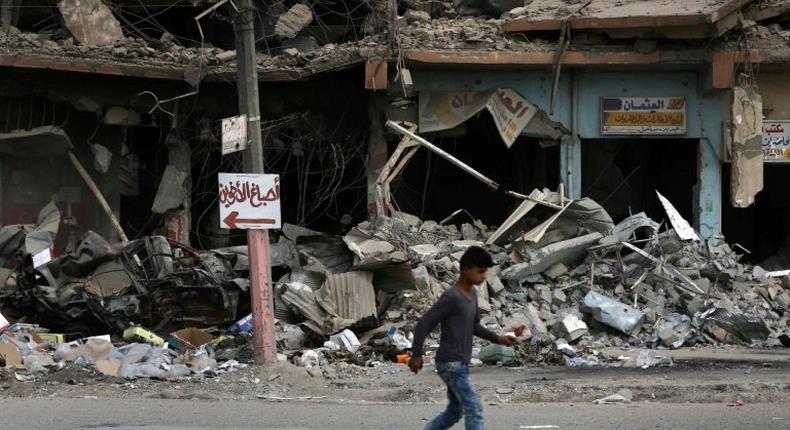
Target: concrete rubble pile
[[463, 33], [567, 281], [568, 286], [129, 49], [52, 309]]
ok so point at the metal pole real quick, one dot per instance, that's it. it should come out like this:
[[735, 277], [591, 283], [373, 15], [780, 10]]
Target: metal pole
[[99, 196], [257, 240], [463, 166]]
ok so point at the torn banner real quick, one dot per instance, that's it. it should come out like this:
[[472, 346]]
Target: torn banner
[[446, 110]]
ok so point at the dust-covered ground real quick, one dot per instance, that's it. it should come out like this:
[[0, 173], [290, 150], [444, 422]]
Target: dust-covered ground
[[697, 376]]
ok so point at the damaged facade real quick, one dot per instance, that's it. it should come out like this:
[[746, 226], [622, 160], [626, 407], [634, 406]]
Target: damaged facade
[[624, 144]]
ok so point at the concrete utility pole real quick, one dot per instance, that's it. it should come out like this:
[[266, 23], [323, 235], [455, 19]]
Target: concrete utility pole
[[257, 240]]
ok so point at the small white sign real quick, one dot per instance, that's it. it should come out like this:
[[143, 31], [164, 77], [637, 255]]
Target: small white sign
[[249, 201], [234, 134]]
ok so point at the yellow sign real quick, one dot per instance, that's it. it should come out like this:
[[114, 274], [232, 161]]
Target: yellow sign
[[643, 116]]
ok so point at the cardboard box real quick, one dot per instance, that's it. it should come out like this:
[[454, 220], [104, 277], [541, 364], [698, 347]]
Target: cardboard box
[[11, 355], [109, 367], [189, 338], [142, 335]]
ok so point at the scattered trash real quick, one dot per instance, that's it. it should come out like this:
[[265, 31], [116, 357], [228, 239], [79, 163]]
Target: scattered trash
[[623, 396], [346, 340], [10, 356], [189, 338], [566, 286], [143, 335], [539, 427], [399, 339]]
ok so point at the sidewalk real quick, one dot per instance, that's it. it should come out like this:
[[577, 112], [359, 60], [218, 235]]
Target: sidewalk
[[729, 355]]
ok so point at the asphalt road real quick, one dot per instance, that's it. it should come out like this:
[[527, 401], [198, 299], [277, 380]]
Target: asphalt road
[[114, 414]]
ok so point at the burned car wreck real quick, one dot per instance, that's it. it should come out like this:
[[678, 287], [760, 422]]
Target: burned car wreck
[[103, 288]]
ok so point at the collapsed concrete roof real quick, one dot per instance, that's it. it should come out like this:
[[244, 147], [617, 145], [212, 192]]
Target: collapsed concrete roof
[[605, 32]]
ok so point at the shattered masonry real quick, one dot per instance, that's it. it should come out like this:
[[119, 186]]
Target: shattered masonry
[[570, 279]]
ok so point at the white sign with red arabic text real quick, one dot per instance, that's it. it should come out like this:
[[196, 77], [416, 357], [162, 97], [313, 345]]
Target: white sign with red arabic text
[[776, 141], [234, 134], [249, 201]]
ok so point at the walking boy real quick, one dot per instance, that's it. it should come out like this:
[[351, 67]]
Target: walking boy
[[456, 311]]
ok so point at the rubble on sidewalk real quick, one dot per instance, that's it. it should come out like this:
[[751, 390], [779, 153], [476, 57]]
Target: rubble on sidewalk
[[570, 289]]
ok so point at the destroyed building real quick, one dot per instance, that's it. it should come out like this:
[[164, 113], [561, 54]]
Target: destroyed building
[[330, 78], [627, 142]]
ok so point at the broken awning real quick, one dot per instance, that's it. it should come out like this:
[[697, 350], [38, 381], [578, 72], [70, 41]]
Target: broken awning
[[446, 110]]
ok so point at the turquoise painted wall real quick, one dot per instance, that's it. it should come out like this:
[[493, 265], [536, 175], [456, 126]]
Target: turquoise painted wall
[[703, 115]]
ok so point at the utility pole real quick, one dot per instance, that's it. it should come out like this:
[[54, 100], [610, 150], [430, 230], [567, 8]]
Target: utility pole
[[257, 240]]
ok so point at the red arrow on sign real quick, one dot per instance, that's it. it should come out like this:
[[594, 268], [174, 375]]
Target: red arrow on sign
[[233, 218]]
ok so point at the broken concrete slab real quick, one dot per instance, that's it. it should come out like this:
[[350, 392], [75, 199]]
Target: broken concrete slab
[[537, 325], [424, 252], [463, 245], [91, 22], [746, 179], [293, 21], [367, 247], [558, 298], [469, 232], [495, 285], [570, 327], [568, 252], [173, 190], [556, 271], [422, 279]]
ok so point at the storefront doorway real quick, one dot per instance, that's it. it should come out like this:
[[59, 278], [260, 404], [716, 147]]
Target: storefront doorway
[[623, 175], [433, 188], [763, 227]]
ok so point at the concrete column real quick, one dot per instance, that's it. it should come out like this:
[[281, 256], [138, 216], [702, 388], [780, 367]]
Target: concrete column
[[707, 207], [377, 147], [571, 166], [178, 221]]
